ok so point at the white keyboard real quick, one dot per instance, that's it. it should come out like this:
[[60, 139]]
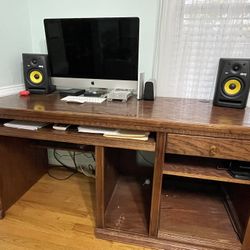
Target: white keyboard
[[83, 99]]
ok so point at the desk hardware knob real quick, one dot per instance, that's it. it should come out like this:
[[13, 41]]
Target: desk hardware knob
[[213, 150]]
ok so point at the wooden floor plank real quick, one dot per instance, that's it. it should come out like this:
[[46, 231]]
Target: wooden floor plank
[[55, 215]]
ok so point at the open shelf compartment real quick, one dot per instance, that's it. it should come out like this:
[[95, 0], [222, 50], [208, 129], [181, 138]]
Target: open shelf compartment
[[199, 168], [127, 197], [193, 212], [128, 209]]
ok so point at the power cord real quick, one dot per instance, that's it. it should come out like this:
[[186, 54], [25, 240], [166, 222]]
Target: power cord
[[146, 160], [83, 171], [57, 178], [63, 165], [72, 155]]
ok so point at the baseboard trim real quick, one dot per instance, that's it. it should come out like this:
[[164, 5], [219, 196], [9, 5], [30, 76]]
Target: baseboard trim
[[10, 90]]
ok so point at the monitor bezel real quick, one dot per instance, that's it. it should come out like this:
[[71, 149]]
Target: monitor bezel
[[82, 82]]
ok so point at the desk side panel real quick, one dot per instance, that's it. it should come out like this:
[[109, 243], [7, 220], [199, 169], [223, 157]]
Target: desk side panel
[[21, 166]]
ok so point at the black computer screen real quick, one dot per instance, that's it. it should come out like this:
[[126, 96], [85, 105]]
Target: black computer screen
[[98, 48]]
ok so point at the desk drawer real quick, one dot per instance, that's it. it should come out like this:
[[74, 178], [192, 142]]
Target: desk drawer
[[208, 147]]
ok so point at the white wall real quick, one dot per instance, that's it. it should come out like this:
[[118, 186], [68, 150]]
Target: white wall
[[21, 30], [15, 38], [146, 10]]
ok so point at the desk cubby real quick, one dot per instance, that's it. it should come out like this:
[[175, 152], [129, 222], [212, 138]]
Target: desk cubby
[[124, 199], [128, 207], [110, 158], [199, 203], [196, 214], [199, 168]]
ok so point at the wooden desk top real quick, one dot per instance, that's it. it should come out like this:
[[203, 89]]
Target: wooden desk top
[[163, 114]]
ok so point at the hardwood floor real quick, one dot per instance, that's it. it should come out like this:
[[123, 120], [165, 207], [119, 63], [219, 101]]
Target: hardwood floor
[[55, 215]]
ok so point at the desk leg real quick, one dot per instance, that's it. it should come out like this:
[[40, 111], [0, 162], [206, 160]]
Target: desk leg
[[246, 242], [1, 197], [99, 156], [157, 184], [21, 166], [107, 160]]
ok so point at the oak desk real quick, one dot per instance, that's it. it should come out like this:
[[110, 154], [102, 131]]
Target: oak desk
[[191, 203]]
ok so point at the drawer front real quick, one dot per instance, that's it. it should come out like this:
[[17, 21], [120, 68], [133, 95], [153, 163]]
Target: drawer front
[[208, 147]]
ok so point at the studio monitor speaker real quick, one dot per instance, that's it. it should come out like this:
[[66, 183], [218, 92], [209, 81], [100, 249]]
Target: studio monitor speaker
[[37, 74], [232, 84], [149, 90]]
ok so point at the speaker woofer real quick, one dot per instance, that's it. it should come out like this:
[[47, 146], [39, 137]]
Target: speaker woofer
[[232, 87], [36, 77]]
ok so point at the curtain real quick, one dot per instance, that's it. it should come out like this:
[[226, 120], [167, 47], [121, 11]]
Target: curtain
[[192, 36]]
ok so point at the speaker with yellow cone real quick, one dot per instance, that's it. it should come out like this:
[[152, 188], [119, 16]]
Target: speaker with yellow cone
[[37, 74], [233, 82]]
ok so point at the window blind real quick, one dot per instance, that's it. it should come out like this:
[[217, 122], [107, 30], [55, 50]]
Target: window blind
[[193, 35]]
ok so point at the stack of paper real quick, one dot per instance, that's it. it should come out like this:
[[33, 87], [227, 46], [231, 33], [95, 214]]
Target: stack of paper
[[116, 133], [128, 134], [95, 130], [30, 125]]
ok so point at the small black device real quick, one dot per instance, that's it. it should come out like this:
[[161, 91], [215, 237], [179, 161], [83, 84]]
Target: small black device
[[95, 92], [37, 74], [149, 92], [233, 82], [239, 170], [74, 92]]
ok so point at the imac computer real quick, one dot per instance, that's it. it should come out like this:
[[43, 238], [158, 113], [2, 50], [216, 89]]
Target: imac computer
[[93, 52]]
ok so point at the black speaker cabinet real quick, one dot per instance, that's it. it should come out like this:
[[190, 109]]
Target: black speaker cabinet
[[37, 74], [232, 84], [149, 92]]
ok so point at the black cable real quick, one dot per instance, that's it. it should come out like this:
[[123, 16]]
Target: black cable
[[63, 165], [90, 166], [60, 179], [147, 161], [73, 157], [93, 156]]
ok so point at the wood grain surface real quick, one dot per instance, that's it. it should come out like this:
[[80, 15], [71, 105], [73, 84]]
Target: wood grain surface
[[158, 115], [157, 184], [55, 215], [193, 213], [246, 242], [199, 168], [99, 186], [129, 206], [209, 147], [183, 126], [78, 138], [21, 166]]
